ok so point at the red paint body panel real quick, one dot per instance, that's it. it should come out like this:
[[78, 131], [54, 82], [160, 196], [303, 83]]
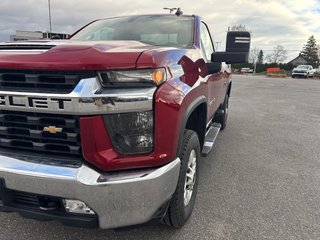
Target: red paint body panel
[[77, 55], [97, 147], [170, 103]]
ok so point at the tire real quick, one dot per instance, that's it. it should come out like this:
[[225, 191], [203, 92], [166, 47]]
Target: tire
[[223, 117], [183, 199]]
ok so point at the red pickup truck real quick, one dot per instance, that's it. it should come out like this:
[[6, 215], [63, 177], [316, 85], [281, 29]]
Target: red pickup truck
[[107, 128]]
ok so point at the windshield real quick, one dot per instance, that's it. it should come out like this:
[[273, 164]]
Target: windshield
[[303, 67], [155, 30]]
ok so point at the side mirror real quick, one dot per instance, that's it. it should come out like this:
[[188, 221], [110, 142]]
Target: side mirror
[[213, 67], [237, 49]]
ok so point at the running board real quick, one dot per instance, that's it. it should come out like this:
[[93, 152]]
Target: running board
[[210, 138]]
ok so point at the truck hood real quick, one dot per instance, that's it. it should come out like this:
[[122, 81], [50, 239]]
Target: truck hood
[[71, 55]]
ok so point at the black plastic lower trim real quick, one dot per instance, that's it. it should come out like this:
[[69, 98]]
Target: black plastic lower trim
[[66, 219], [30, 205]]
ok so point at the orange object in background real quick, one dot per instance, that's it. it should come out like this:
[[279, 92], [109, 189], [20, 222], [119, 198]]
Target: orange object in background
[[275, 69]]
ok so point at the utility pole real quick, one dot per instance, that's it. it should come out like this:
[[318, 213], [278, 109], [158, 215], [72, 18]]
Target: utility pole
[[50, 29], [217, 45]]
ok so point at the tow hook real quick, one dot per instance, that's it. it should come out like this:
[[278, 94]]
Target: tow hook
[[46, 204]]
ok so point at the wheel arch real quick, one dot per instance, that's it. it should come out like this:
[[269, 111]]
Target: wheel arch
[[194, 119]]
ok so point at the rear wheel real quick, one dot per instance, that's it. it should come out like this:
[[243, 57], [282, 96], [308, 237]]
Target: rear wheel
[[183, 199]]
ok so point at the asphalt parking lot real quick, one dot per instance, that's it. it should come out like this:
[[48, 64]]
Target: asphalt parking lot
[[262, 180]]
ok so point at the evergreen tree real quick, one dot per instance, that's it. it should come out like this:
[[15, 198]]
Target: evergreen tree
[[310, 52], [260, 57]]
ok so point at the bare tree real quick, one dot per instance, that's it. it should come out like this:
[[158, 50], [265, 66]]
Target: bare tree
[[278, 55], [254, 54], [253, 57], [239, 27]]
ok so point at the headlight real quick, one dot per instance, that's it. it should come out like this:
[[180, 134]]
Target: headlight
[[132, 77], [131, 133]]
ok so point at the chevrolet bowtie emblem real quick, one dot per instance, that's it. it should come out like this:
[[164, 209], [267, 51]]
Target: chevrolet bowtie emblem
[[52, 129]]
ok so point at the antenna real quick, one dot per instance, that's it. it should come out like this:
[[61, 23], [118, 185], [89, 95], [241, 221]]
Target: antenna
[[178, 12], [49, 5], [170, 9]]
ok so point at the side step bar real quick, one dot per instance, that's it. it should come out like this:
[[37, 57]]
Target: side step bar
[[210, 138]]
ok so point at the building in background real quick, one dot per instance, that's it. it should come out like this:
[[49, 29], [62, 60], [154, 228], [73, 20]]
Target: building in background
[[36, 35], [298, 61]]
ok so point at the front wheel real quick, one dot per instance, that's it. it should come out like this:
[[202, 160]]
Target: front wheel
[[222, 117], [183, 199]]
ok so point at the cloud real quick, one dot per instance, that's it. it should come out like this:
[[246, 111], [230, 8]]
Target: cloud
[[288, 23]]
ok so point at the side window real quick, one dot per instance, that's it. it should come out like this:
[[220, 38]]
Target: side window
[[206, 42]]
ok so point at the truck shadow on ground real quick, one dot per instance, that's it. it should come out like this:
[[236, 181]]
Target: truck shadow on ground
[[32, 229]]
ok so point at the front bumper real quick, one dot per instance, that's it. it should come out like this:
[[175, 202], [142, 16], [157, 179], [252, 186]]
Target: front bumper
[[302, 74], [118, 199]]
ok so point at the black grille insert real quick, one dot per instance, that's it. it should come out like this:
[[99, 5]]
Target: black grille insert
[[25, 199], [42, 207], [30, 200], [41, 81], [25, 131]]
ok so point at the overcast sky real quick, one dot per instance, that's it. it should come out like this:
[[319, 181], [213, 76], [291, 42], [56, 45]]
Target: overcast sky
[[284, 22]]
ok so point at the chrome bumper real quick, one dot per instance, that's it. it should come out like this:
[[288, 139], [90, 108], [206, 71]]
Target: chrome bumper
[[119, 200]]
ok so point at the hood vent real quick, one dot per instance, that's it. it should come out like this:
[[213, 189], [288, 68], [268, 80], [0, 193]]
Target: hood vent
[[25, 47]]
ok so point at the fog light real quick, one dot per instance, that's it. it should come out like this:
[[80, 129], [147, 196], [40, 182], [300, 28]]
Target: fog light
[[76, 206]]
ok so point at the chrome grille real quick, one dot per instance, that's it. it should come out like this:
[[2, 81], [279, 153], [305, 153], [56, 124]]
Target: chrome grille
[[41, 81], [24, 131]]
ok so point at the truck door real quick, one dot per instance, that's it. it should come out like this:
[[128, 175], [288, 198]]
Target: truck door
[[215, 81]]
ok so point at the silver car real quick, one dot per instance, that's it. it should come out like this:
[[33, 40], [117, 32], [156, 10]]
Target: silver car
[[303, 71]]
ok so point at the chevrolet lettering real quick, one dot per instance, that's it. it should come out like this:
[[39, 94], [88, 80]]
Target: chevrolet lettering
[[32, 102]]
